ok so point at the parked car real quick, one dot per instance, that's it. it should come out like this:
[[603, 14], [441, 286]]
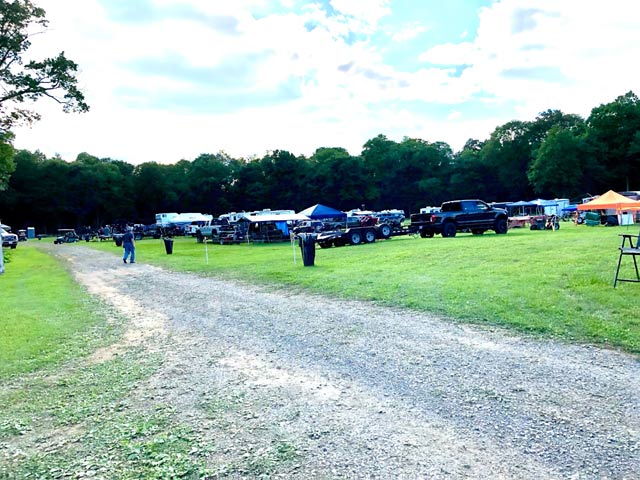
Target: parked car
[[152, 230], [8, 239]]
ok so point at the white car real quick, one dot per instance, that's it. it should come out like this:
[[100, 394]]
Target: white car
[[8, 239]]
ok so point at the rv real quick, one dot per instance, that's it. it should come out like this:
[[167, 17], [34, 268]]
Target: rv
[[164, 219]]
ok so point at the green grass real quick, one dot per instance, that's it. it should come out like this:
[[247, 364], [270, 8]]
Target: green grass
[[544, 282], [84, 422], [45, 316], [64, 417]]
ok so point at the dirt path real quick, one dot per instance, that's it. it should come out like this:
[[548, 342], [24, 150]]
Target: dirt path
[[362, 391]]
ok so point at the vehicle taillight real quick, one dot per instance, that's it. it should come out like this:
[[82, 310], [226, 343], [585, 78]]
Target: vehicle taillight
[[433, 219]]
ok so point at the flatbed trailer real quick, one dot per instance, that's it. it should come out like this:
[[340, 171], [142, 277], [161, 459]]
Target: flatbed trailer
[[354, 236]]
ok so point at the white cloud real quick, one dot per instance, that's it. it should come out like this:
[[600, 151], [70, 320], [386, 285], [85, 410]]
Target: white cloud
[[365, 13], [409, 32], [572, 54], [535, 54]]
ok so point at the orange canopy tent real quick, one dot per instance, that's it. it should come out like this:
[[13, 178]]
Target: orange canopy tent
[[611, 200]]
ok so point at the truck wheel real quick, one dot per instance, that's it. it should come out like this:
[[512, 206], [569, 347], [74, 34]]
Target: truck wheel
[[385, 231], [324, 244], [199, 237], [449, 229], [355, 238], [369, 236], [501, 226]]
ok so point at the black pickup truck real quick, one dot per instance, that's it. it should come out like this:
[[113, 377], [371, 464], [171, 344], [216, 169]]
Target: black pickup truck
[[460, 215]]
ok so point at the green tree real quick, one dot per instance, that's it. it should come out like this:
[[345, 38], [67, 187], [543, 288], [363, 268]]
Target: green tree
[[612, 137], [336, 179], [102, 189], [154, 190], [558, 169], [422, 174], [208, 180], [7, 164], [470, 176], [284, 176], [52, 78]]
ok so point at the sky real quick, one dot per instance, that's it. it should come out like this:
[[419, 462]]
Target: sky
[[168, 80]]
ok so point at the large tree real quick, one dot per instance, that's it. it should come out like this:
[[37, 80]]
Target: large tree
[[53, 78], [7, 165], [612, 136], [21, 82]]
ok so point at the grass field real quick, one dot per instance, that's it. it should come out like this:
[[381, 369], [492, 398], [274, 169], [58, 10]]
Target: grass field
[[546, 283], [554, 283], [45, 317]]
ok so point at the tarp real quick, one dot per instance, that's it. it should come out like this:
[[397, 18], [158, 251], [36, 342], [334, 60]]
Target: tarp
[[611, 200], [317, 212]]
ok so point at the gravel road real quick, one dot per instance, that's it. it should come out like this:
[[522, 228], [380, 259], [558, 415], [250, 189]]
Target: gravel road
[[364, 391]]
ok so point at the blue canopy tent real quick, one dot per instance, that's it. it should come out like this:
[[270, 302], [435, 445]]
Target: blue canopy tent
[[319, 212]]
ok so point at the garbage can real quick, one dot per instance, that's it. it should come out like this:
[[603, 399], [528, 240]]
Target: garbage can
[[308, 247], [168, 245], [118, 239]]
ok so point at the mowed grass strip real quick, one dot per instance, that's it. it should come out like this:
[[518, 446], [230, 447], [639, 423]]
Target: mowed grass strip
[[554, 283], [44, 314]]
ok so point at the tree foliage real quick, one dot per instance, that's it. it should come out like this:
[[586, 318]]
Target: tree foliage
[[53, 78], [554, 155], [7, 165]]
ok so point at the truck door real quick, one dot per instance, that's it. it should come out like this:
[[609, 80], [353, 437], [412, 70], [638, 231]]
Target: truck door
[[477, 214]]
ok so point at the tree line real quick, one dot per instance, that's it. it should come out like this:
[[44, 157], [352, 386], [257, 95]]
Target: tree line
[[554, 155]]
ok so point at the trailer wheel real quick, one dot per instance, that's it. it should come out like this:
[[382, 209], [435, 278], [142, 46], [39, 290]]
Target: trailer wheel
[[355, 238], [385, 231], [369, 236]]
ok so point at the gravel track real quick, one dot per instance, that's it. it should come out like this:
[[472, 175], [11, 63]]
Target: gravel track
[[364, 391]]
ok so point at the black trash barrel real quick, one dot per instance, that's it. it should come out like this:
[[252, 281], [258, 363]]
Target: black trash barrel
[[168, 245], [118, 240], [308, 247]]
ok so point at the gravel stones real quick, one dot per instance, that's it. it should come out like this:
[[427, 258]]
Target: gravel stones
[[357, 390]]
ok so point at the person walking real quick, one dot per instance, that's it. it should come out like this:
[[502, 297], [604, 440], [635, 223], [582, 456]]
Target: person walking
[[129, 245]]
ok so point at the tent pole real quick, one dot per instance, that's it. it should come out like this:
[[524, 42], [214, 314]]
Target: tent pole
[[293, 247]]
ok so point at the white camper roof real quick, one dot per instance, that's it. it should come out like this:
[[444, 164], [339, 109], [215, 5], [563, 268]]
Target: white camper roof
[[276, 218], [191, 217]]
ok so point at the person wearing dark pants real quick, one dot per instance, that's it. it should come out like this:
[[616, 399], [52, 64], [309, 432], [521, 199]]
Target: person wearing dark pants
[[129, 245]]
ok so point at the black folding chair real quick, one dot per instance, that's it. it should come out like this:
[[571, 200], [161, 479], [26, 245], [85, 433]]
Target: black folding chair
[[632, 250]]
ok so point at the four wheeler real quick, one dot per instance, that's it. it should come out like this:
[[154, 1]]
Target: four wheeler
[[66, 235]]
